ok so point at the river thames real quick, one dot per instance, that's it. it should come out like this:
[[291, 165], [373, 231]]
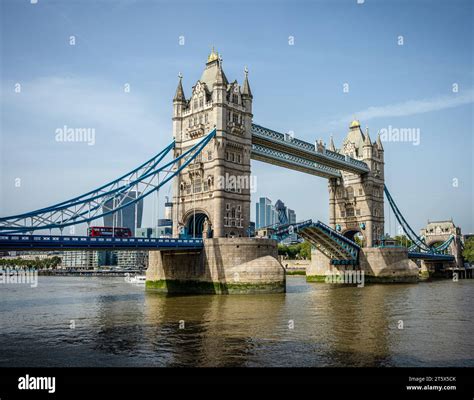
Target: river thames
[[90, 321]]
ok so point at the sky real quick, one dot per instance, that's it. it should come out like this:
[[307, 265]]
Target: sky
[[313, 67]]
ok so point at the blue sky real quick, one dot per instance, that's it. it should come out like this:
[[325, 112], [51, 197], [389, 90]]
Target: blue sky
[[298, 88]]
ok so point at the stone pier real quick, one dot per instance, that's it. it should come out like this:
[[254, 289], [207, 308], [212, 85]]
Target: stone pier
[[380, 265], [224, 266]]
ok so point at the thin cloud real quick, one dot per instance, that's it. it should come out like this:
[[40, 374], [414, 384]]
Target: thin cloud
[[410, 107]]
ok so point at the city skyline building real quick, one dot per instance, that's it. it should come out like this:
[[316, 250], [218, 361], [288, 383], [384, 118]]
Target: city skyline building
[[268, 214], [129, 217]]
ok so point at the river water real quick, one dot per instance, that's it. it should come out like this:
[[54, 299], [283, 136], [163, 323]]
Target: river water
[[89, 321]]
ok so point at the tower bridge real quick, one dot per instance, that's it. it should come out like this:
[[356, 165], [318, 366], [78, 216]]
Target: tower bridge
[[214, 136]]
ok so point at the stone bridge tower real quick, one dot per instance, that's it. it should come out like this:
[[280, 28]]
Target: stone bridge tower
[[437, 232], [211, 197], [356, 202]]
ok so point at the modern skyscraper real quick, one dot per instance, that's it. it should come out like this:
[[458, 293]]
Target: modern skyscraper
[[268, 214], [126, 217], [291, 216], [265, 213]]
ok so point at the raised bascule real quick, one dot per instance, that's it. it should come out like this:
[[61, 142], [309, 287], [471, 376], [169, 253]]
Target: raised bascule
[[214, 141]]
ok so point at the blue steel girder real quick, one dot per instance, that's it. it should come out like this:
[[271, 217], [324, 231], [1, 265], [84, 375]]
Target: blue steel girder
[[282, 159], [57, 242], [338, 248], [430, 256], [93, 205], [280, 142]]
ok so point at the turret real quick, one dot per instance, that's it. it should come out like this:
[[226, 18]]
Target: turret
[[379, 144], [331, 145], [179, 104], [367, 147]]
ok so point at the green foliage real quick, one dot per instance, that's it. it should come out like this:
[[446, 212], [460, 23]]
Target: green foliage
[[46, 263], [468, 252], [400, 240], [295, 251]]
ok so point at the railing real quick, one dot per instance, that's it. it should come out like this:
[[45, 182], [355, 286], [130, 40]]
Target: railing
[[336, 233], [300, 144], [295, 160], [78, 241]]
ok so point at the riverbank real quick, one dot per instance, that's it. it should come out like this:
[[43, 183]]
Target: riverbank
[[110, 273]]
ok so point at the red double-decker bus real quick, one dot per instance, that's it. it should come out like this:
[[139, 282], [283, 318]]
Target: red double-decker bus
[[109, 231]]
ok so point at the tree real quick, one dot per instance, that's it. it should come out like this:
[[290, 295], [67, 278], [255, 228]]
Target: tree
[[468, 252], [295, 251], [402, 240]]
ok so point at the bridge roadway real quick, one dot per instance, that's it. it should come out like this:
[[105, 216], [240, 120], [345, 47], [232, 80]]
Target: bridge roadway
[[283, 150], [337, 250], [56, 242]]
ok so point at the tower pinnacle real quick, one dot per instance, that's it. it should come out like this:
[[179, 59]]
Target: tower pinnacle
[[246, 87], [179, 96]]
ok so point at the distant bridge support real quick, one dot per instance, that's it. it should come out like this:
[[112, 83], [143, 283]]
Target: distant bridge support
[[437, 232], [224, 266]]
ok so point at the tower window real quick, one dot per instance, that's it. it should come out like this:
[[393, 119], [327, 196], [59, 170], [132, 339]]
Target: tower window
[[235, 99], [201, 102]]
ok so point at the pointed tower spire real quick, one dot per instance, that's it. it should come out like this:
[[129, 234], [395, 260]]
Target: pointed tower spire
[[331, 145], [379, 142], [367, 141], [220, 77], [246, 89], [179, 96]]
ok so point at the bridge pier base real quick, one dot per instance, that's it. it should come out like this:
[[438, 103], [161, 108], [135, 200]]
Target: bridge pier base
[[388, 265], [224, 266], [380, 265], [436, 269]]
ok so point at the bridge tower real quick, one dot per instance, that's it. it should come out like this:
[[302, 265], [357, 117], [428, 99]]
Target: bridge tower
[[356, 202], [437, 232], [211, 197]]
